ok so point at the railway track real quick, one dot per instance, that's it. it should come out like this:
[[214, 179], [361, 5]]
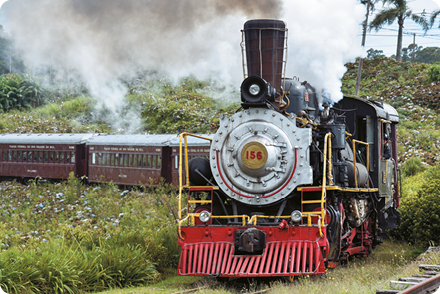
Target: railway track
[[426, 283], [239, 288]]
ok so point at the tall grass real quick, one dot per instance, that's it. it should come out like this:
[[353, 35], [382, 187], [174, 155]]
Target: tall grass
[[62, 268], [71, 108], [71, 238], [359, 276]]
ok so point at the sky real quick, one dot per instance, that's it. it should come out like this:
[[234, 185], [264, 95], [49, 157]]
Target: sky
[[386, 38]]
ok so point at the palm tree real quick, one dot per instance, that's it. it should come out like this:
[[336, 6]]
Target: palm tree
[[433, 17], [397, 9]]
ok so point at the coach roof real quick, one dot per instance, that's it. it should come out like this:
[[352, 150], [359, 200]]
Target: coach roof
[[71, 139], [131, 140], [193, 141]]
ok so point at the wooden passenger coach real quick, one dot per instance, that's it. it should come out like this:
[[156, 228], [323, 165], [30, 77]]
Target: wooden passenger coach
[[52, 156], [129, 159], [123, 159]]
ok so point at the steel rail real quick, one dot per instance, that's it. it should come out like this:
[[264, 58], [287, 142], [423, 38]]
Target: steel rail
[[423, 287]]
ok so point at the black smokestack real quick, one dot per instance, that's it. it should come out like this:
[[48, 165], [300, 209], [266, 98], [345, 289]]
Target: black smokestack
[[264, 40]]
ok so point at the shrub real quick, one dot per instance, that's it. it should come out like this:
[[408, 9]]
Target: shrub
[[420, 212], [17, 92], [57, 267], [434, 73], [412, 166]]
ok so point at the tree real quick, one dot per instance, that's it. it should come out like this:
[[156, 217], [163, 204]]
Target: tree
[[373, 53], [429, 55], [397, 10], [433, 17], [423, 55], [407, 53], [370, 7], [5, 52]]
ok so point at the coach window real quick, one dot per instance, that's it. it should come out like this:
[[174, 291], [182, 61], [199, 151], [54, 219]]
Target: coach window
[[99, 155], [18, 155], [14, 155], [139, 160], [67, 158], [24, 156], [72, 156], [125, 157], [61, 156], [144, 160], [134, 160], [35, 155], [176, 161], [149, 160], [154, 161], [107, 158], [40, 156], [57, 156], [5, 155], [112, 159], [29, 156], [50, 156], [130, 159], [159, 161]]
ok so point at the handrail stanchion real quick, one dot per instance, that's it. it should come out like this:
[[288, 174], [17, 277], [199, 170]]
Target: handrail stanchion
[[354, 161]]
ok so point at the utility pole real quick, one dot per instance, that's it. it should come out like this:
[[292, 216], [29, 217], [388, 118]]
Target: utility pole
[[414, 47], [364, 34]]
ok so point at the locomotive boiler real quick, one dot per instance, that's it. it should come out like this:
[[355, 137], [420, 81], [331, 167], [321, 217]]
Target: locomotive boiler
[[294, 183]]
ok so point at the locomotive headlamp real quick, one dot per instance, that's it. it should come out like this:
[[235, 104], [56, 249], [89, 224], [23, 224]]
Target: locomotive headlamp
[[254, 89], [296, 216], [205, 216]]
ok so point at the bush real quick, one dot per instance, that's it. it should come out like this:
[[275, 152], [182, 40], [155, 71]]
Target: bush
[[17, 92], [434, 73], [412, 166], [57, 267], [421, 212]]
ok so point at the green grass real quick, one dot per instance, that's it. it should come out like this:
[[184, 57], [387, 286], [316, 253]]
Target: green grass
[[168, 285], [75, 238]]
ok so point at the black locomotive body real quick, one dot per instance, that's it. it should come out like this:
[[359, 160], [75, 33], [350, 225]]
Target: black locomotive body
[[294, 183]]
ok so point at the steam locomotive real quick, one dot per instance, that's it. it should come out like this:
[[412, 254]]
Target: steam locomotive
[[293, 184]]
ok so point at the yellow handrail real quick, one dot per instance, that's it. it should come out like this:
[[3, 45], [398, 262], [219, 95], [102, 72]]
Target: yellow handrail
[[327, 143], [245, 218], [183, 136], [354, 161]]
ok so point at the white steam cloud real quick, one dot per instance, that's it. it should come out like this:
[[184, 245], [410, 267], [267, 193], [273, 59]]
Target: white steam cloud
[[322, 38], [102, 40]]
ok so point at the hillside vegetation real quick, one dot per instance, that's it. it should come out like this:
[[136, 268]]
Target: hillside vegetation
[[408, 88]]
